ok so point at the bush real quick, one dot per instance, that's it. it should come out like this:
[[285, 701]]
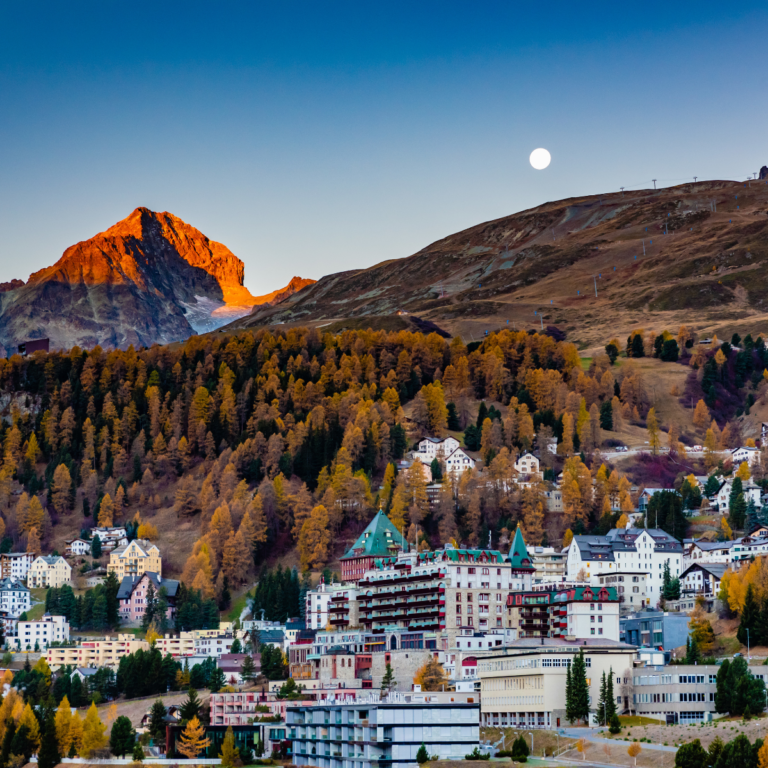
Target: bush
[[475, 754], [615, 725], [520, 750]]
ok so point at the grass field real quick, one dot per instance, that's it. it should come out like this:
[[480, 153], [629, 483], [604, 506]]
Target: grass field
[[237, 606]]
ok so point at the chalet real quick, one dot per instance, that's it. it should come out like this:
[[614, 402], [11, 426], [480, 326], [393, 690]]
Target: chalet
[[527, 464]]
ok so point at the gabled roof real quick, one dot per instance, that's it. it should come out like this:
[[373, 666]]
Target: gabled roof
[[129, 583], [709, 546], [462, 555], [518, 554], [379, 539], [716, 569]]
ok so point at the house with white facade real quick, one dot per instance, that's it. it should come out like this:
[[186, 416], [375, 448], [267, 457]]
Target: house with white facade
[[16, 565], [436, 448], [745, 453], [702, 579], [630, 550], [110, 538], [77, 548], [39, 635], [527, 464], [14, 598], [458, 462], [49, 571]]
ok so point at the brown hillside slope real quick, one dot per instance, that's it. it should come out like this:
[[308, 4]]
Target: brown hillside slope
[[708, 270]]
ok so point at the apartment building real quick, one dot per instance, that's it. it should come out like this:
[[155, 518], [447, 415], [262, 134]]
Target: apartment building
[[49, 571], [133, 592], [95, 653], [110, 538], [371, 733], [684, 693], [134, 559], [436, 448], [380, 539], [549, 564], [14, 598], [317, 602], [16, 565], [626, 550], [523, 685], [702, 579], [574, 610], [631, 587], [656, 629], [31, 635], [445, 591]]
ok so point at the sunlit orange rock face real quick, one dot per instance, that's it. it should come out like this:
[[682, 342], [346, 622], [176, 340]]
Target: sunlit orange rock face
[[148, 279]]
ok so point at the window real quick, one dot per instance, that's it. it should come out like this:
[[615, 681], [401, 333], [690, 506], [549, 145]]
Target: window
[[471, 571]]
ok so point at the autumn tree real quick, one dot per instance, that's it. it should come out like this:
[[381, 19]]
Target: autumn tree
[[431, 676], [193, 741], [62, 489], [315, 539], [94, 733]]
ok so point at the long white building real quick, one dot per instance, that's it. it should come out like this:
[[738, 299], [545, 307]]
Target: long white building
[[626, 550]]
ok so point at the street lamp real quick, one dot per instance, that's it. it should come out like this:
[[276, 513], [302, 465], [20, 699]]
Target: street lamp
[[530, 733]]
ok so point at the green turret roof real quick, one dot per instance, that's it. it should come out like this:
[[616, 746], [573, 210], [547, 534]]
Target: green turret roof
[[518, 553], [379, 539]]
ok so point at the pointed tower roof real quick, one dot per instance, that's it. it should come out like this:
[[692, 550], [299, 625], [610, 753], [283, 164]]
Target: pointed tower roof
[[518, 553], [379, 539]]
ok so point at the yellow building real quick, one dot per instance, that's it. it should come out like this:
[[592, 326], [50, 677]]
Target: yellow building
[[135, 558], [49, 571], [95, 653]]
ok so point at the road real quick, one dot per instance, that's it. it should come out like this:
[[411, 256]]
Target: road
[[592, 736]]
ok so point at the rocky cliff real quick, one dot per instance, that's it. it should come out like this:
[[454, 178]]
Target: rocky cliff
[[151, 278]]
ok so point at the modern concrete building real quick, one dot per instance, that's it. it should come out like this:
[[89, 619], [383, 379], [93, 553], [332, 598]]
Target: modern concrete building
[[654, 629], [38, 635], [523, 685], [549, 564], [95, 653], [686, 693], [388, 732]]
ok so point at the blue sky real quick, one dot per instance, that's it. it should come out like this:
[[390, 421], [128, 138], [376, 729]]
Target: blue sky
[[316, 137]]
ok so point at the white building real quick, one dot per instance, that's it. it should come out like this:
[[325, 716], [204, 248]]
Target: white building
[[721, 500], [458, 461], [49, 571], [745, 453], [435, 448], [527, 464], [110, 538], [214, 646], [14, 597], [16, 565], [39, 635], [523, 686], [549, 564], [77, 548], [629, 550], [702, 579], [317, 602], [371, 733]]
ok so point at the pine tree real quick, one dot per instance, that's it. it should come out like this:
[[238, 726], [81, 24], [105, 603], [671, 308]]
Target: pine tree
[[248, 669], [157, 719], [388, 682], [580, 688], [191, 706], [602, 704], [122, 738], [610, 698], [422, 756], [49, 755], [750, 617], [569, 695]]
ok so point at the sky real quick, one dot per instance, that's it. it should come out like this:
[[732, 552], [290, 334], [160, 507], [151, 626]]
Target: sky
[[317, 137]]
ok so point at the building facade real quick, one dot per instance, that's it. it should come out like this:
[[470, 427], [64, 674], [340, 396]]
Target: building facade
[[631, 588], [655, 629], [14, 598], [38, 635], [49, 571], [134, 559], [686, 693], [133, 595], [16, 565], [626, 550], [568, 610], [549, 564], [391, 732], [95, 653], [523, 686]]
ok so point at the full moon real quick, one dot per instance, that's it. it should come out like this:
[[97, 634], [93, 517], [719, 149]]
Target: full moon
[[540, 159]]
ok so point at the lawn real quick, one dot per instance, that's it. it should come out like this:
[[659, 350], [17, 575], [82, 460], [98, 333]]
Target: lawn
[[237, 607], [36, 612], [585, 362], [637, 720]]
